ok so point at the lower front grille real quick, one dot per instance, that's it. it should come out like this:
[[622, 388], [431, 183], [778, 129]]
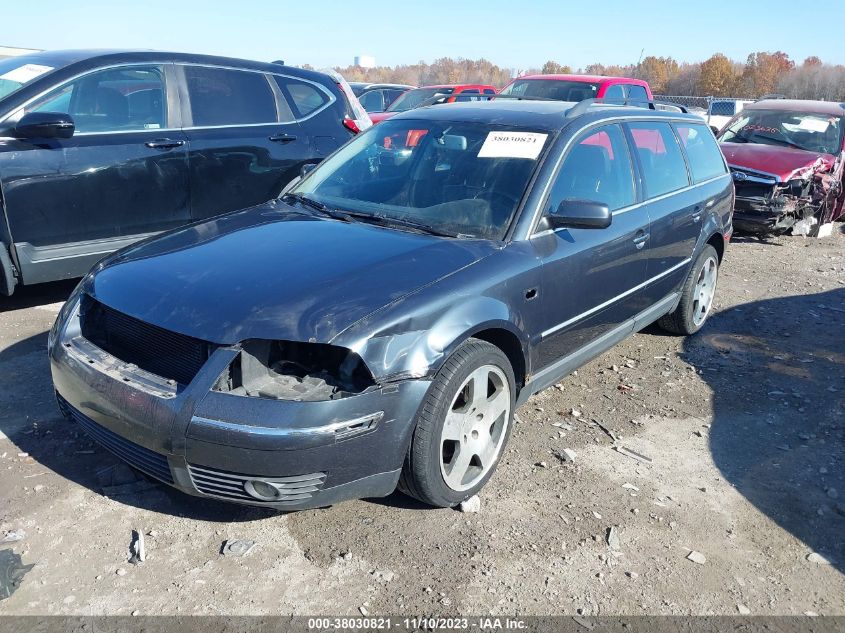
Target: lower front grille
[[227, 485], [156, 350], [145, 460]]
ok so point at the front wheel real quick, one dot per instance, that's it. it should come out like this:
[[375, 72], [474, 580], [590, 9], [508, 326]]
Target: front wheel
[[462, 427], [697, 295]]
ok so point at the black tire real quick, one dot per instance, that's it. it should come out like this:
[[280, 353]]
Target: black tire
[[682, 320], [7, 276], [421, 474]]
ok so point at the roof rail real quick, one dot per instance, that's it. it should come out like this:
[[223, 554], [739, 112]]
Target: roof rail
[[671, 104], [522, 97], [582, 106]]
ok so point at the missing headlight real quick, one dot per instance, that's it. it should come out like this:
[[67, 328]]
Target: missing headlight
[[287, 370]]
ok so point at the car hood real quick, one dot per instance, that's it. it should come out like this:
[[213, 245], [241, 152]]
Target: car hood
[[271, 272], [783, 162]]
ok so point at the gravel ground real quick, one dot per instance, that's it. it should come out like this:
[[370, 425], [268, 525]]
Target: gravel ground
[[744, 425]]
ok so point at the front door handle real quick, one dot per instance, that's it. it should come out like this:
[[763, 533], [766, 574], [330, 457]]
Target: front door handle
[[164, 143], [640, 239], [283, 138], [696, 214]]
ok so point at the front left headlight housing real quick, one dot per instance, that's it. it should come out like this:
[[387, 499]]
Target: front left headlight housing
[[291, 370]]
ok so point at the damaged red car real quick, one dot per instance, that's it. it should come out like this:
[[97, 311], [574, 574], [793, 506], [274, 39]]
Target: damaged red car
[[787, 160]]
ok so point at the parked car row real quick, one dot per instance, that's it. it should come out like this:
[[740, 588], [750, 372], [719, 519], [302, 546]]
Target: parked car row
[[292, 338]]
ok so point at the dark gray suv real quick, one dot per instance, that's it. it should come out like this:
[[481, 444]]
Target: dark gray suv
[[379, 324]]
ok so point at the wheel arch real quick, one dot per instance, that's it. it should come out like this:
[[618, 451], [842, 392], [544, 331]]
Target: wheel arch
[[717, 241]]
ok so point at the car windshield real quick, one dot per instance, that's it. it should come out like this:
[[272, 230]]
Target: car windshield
[[16, 72], [801, 130], [413, 98], [449, 178], [552, 89]]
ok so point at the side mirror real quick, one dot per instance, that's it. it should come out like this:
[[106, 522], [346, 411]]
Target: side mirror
[[714, 129], [45, 125], [306, 169], [580, 214]]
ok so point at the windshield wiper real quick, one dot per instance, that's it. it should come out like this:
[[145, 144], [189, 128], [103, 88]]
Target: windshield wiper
[[327, 211], [421, 227], [375, 218]]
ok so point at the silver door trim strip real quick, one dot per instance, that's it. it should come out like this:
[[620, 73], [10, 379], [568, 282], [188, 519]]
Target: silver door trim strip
[[601, 306]]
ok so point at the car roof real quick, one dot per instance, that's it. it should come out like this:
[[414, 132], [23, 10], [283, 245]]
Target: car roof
[[549, 115], [366, 84], [799, 105], [59, 58], [457, 86], [597, 79]]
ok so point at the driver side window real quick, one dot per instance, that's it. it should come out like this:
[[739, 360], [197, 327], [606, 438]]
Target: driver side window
[[597, 168], [112, 100]]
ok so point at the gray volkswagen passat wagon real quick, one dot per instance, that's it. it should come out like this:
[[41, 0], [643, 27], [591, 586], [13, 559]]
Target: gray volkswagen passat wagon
[[379, 324]]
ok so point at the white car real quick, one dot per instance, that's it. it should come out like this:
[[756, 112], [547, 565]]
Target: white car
[[722, 110]]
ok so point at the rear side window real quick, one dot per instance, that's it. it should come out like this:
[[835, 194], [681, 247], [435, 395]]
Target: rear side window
[[703, 153], [637, 93], [663, 165], [597, 168], [372, 101], [464, 95], [221, 96], [616, 91], [305, 98]]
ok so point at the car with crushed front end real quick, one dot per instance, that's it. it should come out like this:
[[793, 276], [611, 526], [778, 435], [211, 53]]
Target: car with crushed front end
[[378, 324], [787, 157]]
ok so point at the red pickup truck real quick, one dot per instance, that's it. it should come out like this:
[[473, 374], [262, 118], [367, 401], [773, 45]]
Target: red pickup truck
[[578, 88], [434, 94]]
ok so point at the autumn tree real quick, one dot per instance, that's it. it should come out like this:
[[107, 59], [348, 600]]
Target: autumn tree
[[553, 68], [812, 62], [657, 71], [763, 71], [685, 81], [717, 77]]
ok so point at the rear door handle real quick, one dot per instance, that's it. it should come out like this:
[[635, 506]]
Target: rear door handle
[[640, 239], [282, 138], [164, 143]]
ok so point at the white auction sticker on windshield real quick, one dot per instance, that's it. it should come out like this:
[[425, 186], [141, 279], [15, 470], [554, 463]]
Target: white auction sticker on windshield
[[25, 73], [513, 145], [814, 125]]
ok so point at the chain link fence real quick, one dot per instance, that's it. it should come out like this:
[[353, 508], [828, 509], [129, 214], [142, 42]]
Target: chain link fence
[[720, 106]]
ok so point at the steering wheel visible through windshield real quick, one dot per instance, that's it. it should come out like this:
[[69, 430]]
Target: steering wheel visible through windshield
[[457, 178], [800, 130]]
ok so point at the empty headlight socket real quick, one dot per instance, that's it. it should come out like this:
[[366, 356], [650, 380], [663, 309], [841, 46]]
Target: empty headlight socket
[[289, 370]]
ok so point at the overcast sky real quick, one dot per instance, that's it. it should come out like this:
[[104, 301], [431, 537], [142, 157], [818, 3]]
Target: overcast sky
[[509, 33]]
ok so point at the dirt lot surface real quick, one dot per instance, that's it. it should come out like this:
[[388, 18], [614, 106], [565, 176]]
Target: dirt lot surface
[[744, 425]]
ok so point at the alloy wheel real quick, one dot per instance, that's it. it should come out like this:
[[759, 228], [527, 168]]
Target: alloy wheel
[[705, 290], [475, 428]]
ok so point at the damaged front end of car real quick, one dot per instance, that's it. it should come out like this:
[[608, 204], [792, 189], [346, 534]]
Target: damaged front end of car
[[808, 199]]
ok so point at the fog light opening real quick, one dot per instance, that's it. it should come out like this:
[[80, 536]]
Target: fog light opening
[[262, 490]]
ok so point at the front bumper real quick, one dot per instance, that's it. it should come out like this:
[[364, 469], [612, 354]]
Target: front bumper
[[217, 445]]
